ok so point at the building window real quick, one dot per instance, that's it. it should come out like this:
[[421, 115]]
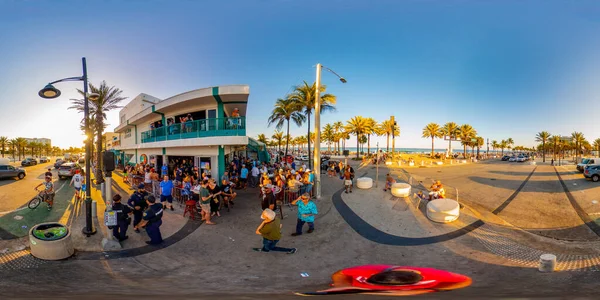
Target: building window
[[123, 119], [128, 133]]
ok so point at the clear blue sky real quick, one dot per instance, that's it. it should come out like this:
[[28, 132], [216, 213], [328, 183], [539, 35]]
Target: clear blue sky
[[508, 68]]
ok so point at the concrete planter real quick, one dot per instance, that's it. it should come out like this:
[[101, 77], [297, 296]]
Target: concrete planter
[[51, 241], [364, 183], [464, 161], [401, 189], [439, 163], [443, 210]]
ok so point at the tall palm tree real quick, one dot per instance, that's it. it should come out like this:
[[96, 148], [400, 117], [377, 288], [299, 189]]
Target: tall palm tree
[[345, 135], [328, 136], [304, 96], [510, 142], [432, 130], [31, 146], [262, 138], [108, 100], [3, 144], [578, 139], [479, 143], [555, 140], [284, 111], [338, 127], [357, 126], [466, 133], [21, 144], [450, 130], [371, 126], [503, 144], [597, 146], [278, 136], [543, 138], [13, 144], [390, 129], [494, 146]]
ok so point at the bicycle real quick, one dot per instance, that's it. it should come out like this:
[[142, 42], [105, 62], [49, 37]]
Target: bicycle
[[37, 200]]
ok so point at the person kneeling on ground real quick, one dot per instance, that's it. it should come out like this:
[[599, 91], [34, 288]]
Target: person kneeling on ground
[[270, 230], [389, 180]]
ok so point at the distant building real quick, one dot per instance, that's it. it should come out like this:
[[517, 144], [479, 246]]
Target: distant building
[[44, 141], [111, 140]]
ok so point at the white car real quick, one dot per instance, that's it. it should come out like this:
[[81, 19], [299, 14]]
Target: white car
[[513, 158], [521, 158], [302, 157]]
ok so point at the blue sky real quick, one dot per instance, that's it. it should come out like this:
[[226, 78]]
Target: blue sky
[[508, 68]]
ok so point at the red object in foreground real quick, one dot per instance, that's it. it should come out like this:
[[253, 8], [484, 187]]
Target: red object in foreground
[[394, 280]]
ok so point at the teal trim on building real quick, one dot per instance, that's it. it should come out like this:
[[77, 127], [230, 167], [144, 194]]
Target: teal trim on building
[[164, 121], [164, 151], [220, 110], [197, 129], [221, 161], [136, 157], [136, 139]]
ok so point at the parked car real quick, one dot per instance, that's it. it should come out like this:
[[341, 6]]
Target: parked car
[[29, 162], [44, 159], [68, 170], [302, 157], [505, 158], [58, 163], [8, 171], [592, 172], [512, 158], [521, 158], [587, 161], [325, 163]]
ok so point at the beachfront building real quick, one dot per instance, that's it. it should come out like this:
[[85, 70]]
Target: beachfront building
[[44, 141], [110, 140], [205, 126]]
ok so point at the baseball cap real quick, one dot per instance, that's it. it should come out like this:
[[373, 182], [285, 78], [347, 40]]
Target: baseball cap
[[270, 214], [307, 170], [141, 186]]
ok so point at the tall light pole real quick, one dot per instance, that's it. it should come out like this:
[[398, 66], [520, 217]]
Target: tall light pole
[[317, 146], [50, 92]]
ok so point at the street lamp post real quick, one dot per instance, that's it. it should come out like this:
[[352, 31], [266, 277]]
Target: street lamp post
[[50, 92], [317, 155]]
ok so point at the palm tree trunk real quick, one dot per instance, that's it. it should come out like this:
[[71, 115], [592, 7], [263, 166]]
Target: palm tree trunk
[[308, 136], [357, 145], [368, 144], [544, 150], [287, 139], [432, 146], [465, 151], [387, 145]]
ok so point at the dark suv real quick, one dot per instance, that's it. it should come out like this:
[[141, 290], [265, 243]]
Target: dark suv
[[29, 162]]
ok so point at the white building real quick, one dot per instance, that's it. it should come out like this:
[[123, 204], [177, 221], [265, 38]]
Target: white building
[[151, 131], [44, 141]]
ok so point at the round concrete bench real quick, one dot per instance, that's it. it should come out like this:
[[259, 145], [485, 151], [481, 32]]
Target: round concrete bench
[[443, 210], [364, 183], [50, 241], [412, 164], [464, 161], [439, 163], [532, 163], [401, 189], [388, 163]]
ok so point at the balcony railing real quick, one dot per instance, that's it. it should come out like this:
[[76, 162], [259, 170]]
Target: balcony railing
[[196, 129]]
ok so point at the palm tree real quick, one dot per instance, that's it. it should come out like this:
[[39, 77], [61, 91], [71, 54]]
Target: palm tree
[[556, 143], [338, 127], [543, 137], [278, 136], [108, 100], [284, 111], [328, 136], [503, 144], [389, 128], [371, 126], [432, 130], [479, 143], [363, 141], [21, 144], [345, 135], [597, 145], [578, 139], [466, 133], [304, 96], [450, 130], [357, 126], [494, 146], [13, 144], [262, 138], [510, 143], [3, 144]]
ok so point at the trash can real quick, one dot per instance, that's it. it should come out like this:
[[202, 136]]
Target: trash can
[[51, 241]]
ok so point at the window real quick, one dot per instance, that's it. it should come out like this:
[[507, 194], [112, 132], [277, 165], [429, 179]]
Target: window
[[128, 133], [3, 168], [11, 168], [212, 113], [123, 119]]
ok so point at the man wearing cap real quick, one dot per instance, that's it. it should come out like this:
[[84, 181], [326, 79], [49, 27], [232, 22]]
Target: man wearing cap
[[123, 211], [306, 214], [152, 219], [138, 202], [270, 230], [268, 200]]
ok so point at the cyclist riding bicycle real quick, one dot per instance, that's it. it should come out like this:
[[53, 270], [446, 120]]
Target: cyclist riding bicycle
[[76, 182], [48, 191]]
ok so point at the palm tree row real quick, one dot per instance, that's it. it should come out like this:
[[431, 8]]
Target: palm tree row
[[577, 143], [21, 147], [466, 133]]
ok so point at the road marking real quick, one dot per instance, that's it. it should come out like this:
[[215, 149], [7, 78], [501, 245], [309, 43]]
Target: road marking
[[8, 212]]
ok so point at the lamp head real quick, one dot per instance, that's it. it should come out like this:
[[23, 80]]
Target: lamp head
[[49, 92], [93, 96], [343, 80]]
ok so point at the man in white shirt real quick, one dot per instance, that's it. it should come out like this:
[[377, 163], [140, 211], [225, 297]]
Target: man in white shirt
[[255, 173], [77, 182]]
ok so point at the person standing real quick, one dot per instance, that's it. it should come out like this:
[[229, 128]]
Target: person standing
[[166, 193], [123, 220], [347, 180], [205, 198], [152, 219], [215, 203], [138, 202], [244, 176], [164, 170], [306, 214], [270, 230], [76, 182], [255, 173]]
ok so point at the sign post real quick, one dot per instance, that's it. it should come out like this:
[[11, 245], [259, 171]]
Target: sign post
[[377, 165]]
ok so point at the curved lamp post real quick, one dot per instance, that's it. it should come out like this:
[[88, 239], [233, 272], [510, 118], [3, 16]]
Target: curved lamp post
[[317, 155], [50, 92]]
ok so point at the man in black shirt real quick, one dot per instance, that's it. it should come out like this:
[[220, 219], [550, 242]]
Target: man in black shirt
[[268, 200], [123, 219], [228, 194]]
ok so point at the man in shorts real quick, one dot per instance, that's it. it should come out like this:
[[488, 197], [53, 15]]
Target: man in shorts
[[348, 180], [244, 177], [205, 198], [76, 182], [166, 193]]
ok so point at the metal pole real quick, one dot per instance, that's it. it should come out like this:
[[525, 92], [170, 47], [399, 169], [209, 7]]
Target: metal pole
[[108, 186], [377, 162], [89, 228], [393, 136], [317, 146]]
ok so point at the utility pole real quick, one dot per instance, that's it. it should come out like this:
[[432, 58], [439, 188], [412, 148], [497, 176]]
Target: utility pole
[[377, 165], [487, 151]]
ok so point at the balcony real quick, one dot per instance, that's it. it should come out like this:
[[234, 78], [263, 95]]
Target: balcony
[[197, 129]]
